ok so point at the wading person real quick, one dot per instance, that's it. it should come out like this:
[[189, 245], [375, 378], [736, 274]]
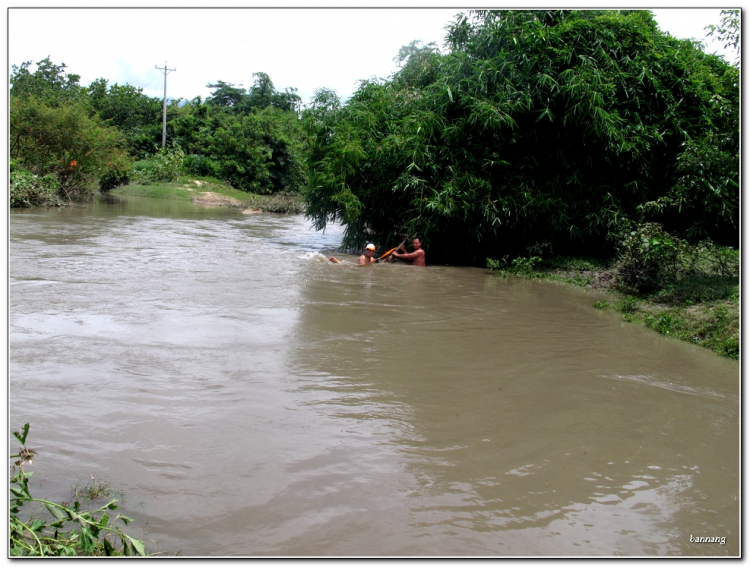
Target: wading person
[[416, 258], [367, 258]]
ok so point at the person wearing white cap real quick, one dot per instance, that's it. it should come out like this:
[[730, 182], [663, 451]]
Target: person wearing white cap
[[367, 257]]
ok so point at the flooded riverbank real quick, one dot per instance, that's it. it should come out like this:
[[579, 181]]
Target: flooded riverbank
[[251, 398]]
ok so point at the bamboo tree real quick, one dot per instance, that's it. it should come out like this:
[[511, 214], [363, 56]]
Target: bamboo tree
[[536, 126]]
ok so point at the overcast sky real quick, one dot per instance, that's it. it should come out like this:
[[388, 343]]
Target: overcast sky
[[303, 48]]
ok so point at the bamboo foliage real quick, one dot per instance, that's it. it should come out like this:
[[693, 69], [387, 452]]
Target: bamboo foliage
[[536, 126]]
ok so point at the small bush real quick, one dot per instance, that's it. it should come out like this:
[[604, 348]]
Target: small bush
[[202, 165], [165, 165], [114, 179], [29, 190], [70, 531], [519, 266], [493, 265], [664, 322], [648, 258], [524, 266], [279, 203], [627, 304], [708, 259]]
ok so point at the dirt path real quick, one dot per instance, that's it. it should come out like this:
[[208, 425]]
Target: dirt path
[[215, 199], [212, 199]]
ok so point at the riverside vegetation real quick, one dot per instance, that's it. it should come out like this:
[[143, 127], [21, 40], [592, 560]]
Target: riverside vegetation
[[68, 530], [536, 126], [690, 292], [68, 141]]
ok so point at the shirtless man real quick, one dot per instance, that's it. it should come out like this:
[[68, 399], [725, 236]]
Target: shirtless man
[[367, 258], [416, 257]]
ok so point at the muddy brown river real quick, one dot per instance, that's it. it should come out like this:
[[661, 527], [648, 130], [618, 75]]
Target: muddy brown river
[[248, 398]]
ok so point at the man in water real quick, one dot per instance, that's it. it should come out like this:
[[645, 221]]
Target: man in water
[[416, 257], [367, 258]]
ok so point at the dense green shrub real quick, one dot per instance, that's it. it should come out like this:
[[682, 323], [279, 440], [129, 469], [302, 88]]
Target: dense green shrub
[[139, 117], [48, 83], [259, 151], [64, 141], [202, 166], [519, 266]]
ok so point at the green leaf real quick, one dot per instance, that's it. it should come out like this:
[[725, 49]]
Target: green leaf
[[139, 547], [55, 511], [22, 436], [127, 548], [125, 519]]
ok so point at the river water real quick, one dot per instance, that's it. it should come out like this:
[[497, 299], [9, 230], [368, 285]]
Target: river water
[[247, 397]]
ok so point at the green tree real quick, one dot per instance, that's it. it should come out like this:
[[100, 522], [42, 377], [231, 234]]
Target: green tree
[[259, 152], [48, 82], [419, 63], [263, 94], [225, 94], [252, 139], [137, 115]]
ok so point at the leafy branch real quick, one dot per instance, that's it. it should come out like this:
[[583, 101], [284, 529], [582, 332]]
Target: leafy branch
[[71, 531]]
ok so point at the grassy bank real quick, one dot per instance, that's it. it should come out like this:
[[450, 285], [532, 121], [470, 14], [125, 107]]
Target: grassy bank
[[699, 308], [211, 191]]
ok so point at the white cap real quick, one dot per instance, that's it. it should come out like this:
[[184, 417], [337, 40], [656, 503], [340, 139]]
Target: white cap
[[371, 247]]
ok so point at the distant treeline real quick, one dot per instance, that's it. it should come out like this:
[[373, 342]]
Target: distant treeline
[[76, 135]]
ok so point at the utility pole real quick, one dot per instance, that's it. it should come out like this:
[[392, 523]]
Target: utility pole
[[164, 105]]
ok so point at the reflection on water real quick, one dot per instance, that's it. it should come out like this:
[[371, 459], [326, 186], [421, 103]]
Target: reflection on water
[[251, 398]]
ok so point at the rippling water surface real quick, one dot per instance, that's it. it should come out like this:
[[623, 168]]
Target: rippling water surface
[[250, 398]]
